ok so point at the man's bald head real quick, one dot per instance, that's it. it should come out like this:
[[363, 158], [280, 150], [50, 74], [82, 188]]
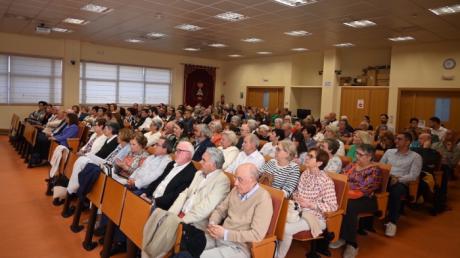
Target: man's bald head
[[246, 177]]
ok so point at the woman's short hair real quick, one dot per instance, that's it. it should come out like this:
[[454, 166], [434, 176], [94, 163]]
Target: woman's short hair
[[140, 139], [101, 122], [125, 135], [333, 145], [231, 136], [334, 129], [364, 136], [73, 118], [289, 147], [157, 123], [367, 148], [322, 156]]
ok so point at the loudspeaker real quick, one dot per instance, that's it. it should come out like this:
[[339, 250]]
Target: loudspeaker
[[303, 113]]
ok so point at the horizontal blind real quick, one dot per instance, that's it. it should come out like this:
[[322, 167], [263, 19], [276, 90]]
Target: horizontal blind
[[110, 83], [26, 80]]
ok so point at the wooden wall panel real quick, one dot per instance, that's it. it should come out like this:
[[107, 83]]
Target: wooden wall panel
[[255, 95], [378, 104]]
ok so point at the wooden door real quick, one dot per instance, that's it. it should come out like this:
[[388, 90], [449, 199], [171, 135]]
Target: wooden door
[[270, 98], [357, 102], [422, 105]]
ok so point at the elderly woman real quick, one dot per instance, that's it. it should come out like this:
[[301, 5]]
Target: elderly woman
[[228, 142], [332, 132], [315, 195], [330, 146], [364, 179], [155, 132], [283, 169], [216, 128], [136, 156], [359, 137], [269, 148]]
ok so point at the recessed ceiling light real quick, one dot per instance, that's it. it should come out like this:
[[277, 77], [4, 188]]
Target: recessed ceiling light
[[402, 38], [96, 8], [252, 40], [134, 40], [217, 45], [296, 3], [155, 35], [235, 55], [231, 16], [344, 45], [451, 9], [299, 49], [75, 21], [188, 27], [298, 33], [191, 49], [264, 53], [360, 23], [63, 30]]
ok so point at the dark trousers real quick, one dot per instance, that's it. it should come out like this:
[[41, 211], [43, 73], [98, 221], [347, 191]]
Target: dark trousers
[[42, 147], [350, 219], [396, 191]]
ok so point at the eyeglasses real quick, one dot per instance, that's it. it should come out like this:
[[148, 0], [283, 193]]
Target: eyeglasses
[[360, 154]]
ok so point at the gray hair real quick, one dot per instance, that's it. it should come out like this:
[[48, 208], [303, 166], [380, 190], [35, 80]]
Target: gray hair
[[264, 127], [252, 124], [217, 126], [204, 129], [157, 123], [231, 136], [254, 139], [236, 118], [189, 147], [217, 156], [278, 120]]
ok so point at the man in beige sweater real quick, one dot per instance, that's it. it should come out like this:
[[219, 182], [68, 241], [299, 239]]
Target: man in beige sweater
[[209, 187], [246, 213]]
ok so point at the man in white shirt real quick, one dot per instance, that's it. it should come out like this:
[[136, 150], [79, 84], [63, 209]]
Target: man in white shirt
[[155, 132], [437, 129], [209, 187], [250, 154], [153, 166]]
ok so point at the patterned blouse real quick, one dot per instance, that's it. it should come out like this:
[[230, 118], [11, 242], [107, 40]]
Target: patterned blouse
[[133, 160], [318, 188], [366, 180]]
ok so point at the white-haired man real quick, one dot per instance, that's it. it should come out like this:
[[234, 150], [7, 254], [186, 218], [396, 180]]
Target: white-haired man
[[250, 154]]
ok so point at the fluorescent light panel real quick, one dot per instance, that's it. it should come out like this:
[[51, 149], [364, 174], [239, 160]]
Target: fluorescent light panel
[[96, 8], [360, 24], [188, 27], [75, 21], [155, 35], [445, 10], [191, 49], [134, 40], [231, 16], [219, 45], [235, 55], [264, 52], [296, 3], [299, 49], [401, 38], [62, 30], [344, 45], [298, 33], [252, 40]]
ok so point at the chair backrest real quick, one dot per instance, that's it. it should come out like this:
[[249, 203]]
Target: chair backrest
[[96, 193], [84, 135], [231, 178], [385, 169], [277, 201], [81, 129], [341, 189], [112, 200], [69, 164], [14, 124], [267, 158], [151, 150], [30, 134], [261, 144], [345, 160], [378, 155], [197, 165], [136, 212]]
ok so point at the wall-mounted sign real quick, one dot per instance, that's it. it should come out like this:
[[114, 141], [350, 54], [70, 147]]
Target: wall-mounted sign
[[360, 104]]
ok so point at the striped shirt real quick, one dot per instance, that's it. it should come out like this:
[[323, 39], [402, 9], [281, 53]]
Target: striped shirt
[[285, 178]]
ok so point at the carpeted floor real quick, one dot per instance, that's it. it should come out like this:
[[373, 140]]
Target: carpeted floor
[[30, 226]]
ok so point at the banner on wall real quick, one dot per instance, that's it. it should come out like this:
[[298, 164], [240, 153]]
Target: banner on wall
[[199, 85]]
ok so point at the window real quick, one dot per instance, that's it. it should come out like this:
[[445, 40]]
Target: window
[[108, 83], [26, 80]]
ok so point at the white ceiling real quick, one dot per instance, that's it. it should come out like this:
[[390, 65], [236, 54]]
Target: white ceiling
[[268, 21]]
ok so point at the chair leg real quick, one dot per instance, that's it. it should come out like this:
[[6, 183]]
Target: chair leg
[[131, 249], [76, 227], [312, 253], [88, 244], [67, 211], [108, 240]]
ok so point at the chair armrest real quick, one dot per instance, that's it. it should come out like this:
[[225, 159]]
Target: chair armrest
[[73, 144], [332, 214], [382, 203], [265, 241], [413, 188]]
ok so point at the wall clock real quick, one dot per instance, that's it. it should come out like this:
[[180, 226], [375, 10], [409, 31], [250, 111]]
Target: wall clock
[[449, 64]]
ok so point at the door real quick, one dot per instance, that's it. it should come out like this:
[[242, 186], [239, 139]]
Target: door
[[271, 98]]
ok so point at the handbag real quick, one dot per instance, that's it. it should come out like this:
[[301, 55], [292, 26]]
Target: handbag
[[293, 213]]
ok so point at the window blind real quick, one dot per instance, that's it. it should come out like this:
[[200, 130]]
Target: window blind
[[110, 83]]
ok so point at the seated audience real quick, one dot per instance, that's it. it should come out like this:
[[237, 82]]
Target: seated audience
[[243, 217], [249, 154], [262, 132], [179, 134], [332, 132], [269, 148], [315, 195], [228, 148], [308, 133], [364, 180], [436, 128], [216, 129], [284, 171], [244, 131], [405, 167], [330, 146], [386, 141], [37, 117], [301, 147]]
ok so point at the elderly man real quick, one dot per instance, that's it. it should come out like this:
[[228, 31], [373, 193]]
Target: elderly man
[[153, 166], [263, 133], [405, 167], [244, 131], [202, 140], [245, 216], [209, 187], [250, 154], [176, 177]]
